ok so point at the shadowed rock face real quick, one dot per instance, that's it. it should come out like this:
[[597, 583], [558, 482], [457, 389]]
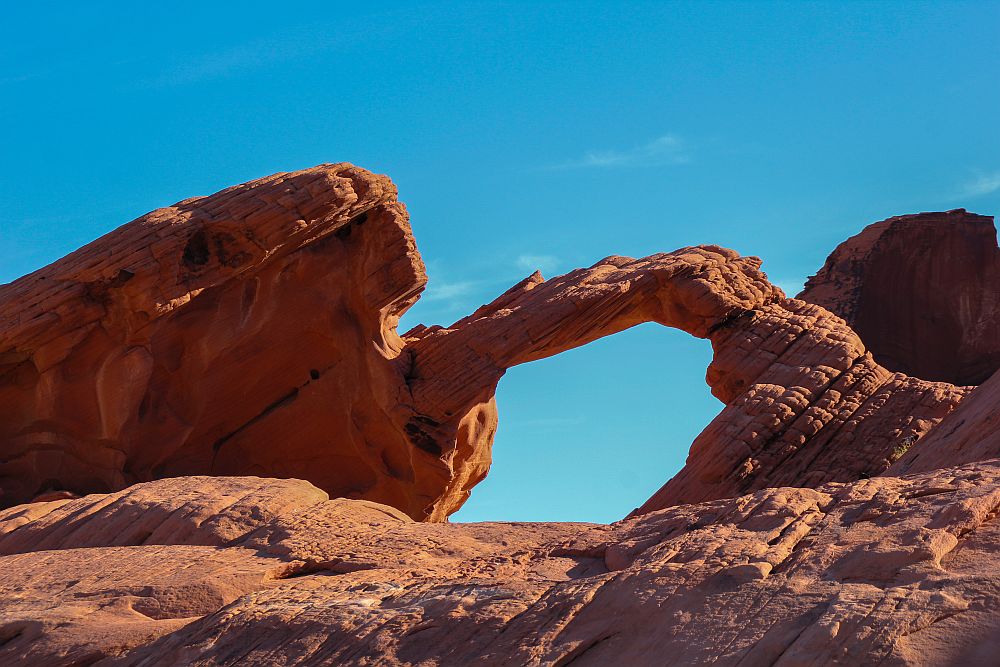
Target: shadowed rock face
[[212, 571], [253, 332], [922, 291]]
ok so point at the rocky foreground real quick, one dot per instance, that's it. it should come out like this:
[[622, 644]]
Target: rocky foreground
[[249, 571], [190, 370]]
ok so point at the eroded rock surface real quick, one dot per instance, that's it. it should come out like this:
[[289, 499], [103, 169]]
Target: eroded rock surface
[[880, 571], [253, 332], [922, 291], [971, 433], [250, 332]]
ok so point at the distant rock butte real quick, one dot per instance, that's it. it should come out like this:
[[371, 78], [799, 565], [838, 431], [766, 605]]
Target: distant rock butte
[[253, 332], [922, 291], [225, 571]]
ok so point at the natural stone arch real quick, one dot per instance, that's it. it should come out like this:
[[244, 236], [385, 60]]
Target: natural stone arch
[[799, 387], [254, 332]]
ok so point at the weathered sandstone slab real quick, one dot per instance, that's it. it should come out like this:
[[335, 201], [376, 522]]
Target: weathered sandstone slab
[[879, 571], [971, 433]]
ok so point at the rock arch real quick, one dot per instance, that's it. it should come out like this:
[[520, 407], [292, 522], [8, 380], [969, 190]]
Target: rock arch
[[805, 403], [254, 332]]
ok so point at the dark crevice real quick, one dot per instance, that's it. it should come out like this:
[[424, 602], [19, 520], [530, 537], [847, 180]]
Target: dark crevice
[[10, 633], [280, 403], [196, 252], [731, 319], [297, 569], [417, 431], [580, 651]]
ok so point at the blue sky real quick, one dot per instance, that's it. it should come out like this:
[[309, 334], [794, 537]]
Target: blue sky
[[521, 136]]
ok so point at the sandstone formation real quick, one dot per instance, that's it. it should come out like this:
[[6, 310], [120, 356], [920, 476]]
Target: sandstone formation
[[250, 332], [253, 332], [971, 433], [805, 403], [245, 571], [222, 351], [922, 291]]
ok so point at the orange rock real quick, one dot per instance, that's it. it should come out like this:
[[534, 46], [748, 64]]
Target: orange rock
[[247, 571], [250, 332], [970, 433], [922, 291], [253, 332]]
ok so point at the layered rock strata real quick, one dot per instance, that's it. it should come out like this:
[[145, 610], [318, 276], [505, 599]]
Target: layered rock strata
[[970, 433], [226, 571], [254, 332], [805, 403], [922, 291]]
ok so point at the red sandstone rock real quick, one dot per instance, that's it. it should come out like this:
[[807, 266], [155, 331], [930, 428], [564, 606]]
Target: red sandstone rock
[[922, 291], [971, 433], [253, 333], [881, 571], [250, 332]]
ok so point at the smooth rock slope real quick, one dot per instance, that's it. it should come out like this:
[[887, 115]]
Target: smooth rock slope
[[245, 571]]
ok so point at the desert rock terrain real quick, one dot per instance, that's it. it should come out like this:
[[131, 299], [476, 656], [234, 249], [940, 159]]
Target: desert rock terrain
[[217, 449]]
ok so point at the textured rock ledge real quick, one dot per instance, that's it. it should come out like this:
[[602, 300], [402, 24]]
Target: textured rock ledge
[[253, 332], [248, 571]]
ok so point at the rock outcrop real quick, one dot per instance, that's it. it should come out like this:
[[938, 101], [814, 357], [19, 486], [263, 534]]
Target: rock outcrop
[[922, 291], [226, 349], [253, 332], [250, 332], [971, 433], [226, 571], [805, 403]]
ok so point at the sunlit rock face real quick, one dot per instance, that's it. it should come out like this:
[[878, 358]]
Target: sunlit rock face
[[248, 571], [250, 332], [922, 291], [253, 332]]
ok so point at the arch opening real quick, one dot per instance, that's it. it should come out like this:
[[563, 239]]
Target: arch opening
[[589, 434]]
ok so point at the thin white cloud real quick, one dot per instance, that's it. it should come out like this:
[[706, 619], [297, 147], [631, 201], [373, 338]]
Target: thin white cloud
[[295, 44], [441, 291], [235, 60], [665, 150], [984, 184], [543, 263]]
